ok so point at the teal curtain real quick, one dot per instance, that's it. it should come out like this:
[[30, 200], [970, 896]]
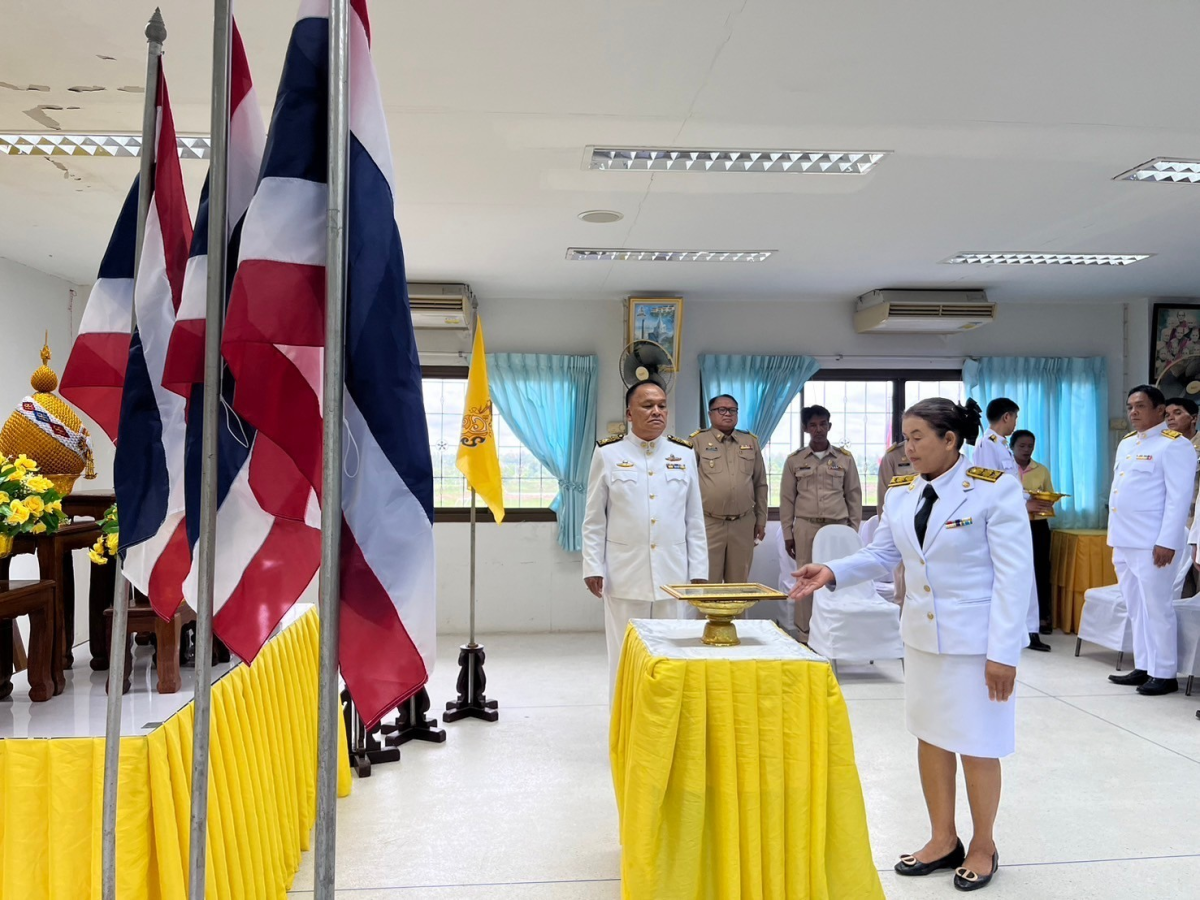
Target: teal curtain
[[1064, 402], [764, 386], [550, 403]]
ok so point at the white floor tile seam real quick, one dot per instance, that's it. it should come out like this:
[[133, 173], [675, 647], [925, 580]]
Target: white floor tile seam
[[1128, 731]]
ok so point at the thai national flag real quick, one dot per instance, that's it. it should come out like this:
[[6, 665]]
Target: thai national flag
[[273, 340], [148, 471], [266, 553], [95, 371]]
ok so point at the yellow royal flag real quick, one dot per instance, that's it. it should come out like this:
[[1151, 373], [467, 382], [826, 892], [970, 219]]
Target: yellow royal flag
[[477, 456]]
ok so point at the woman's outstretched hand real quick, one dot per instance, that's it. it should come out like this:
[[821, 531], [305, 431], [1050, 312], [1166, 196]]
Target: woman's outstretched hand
[[809, 579]]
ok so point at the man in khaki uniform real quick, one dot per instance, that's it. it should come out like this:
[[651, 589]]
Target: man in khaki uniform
[[820, 486], [733, 487], [894, 463]]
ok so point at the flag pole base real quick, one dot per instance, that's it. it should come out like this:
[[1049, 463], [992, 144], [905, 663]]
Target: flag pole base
[[412, 724], [363, 748], [472, 702]]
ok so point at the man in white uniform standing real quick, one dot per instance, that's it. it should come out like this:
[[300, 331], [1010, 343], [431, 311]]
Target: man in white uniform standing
[[992, 452], [644, 524], [1147, 527]]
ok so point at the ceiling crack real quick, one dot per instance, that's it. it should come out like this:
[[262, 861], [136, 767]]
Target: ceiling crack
[[730, 24]]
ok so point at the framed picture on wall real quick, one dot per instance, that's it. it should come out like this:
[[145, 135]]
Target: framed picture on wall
[[1174, 334], [658, 319]]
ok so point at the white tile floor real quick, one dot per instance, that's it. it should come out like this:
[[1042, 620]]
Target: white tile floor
[[1101, 800]]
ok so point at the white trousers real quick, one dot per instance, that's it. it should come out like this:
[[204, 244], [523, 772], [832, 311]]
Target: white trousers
[[617, 614], [1033, 617], [1148, 592]]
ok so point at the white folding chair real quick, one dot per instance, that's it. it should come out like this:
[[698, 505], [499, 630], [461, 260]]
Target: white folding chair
[[1105, 618], [1187, 614], [885, 587], [854, 622]]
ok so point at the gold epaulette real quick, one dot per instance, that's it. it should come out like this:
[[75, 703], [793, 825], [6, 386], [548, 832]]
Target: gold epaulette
[[609, 440], [1171, 435], [697, 431], [991, 475], [1131, 434], [901, 480], [752, 434], [847, 452], [683, 442], [894, 447]]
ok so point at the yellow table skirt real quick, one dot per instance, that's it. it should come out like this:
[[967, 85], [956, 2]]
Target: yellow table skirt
[[1079, 561], [262, 793], [736, 779]]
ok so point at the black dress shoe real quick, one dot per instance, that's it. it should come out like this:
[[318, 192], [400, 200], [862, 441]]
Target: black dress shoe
[[1036, 643], [910, 865], [1156, 687], [1133, 679], [966, 880]]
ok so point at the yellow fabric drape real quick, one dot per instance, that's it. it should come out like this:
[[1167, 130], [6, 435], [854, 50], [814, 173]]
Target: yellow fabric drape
[[1079, 561], [736, 779], [262, 793]]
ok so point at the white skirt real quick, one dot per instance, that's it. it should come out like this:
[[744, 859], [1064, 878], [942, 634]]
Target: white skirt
[[946, 704]]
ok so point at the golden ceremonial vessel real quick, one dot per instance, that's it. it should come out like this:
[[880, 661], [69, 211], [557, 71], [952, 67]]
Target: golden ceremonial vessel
[[720, 603], [44, 427], [1049, 497]]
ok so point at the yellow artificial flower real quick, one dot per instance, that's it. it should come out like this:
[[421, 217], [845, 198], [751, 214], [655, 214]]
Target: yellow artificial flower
[[38, 483], [97, 558], [19, 514], [55, 507], [24, 462], [112, 542], [39, 528], [16, 476], [35, 505], [4, 498]]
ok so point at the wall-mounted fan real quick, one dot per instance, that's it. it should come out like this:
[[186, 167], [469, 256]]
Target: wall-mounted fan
[[1181, 378], [647, 361]]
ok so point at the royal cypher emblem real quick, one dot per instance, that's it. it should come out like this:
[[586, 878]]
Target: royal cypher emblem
[[477, 425]]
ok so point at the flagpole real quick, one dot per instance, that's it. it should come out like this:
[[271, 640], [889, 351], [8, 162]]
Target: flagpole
[[156, 34], [218, 180], [329, 719]]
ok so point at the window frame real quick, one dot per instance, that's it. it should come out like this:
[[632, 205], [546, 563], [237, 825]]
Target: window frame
[[897, 377], [482, 513]]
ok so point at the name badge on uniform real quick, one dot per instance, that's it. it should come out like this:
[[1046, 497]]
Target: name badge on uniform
[[1143, 456], [711, 449], [958, 523]]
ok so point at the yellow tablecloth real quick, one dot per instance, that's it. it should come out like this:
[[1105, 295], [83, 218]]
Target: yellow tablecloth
[[1080, 559], [262, 793], [735, 777]]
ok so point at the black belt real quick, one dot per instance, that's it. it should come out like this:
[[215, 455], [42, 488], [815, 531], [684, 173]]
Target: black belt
[[824, 521], [728, 518]]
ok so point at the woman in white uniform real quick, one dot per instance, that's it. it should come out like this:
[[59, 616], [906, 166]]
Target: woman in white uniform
[[962, 535]]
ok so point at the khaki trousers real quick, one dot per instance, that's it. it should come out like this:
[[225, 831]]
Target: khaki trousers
[[804, 531], [730, 548]]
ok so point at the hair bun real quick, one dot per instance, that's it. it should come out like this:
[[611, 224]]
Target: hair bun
[[972, 421]]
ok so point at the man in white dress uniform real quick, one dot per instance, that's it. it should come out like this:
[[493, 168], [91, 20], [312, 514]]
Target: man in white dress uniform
[[992, 452], [1147, 525], [644, 524]]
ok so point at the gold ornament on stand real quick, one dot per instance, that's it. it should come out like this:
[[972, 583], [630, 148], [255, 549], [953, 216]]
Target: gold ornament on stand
[[44, 427], [721, 603]]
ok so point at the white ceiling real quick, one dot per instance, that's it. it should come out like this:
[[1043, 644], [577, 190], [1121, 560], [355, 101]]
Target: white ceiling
[[1008, 122]]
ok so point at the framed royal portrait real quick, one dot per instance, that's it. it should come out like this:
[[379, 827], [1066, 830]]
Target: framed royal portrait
[[658, 319], [1174, 334]]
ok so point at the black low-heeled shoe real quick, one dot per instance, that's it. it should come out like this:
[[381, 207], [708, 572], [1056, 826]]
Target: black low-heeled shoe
[[910, 865], [966, 880]]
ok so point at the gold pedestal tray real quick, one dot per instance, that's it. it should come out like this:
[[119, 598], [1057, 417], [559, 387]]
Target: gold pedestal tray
[[1049, 497], [720, 603]]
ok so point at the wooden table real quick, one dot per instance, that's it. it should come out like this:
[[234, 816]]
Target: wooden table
[[1080, 559]]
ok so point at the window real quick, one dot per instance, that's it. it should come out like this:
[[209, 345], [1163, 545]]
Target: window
[[528, 485], [866, 408]]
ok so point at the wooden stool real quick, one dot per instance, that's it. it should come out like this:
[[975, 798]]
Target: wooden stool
[[143, 619], [34, 599]]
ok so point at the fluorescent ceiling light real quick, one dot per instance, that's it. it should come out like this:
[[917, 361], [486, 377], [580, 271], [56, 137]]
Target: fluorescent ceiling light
[[1047, 259], [617, 255], [1163, 169], [111, 145], [674, 159]]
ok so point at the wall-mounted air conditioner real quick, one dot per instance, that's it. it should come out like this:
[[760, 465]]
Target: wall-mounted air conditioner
[[922, 312], [441, 306]]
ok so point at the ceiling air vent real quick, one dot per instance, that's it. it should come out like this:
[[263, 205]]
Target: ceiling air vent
[[922, 312]]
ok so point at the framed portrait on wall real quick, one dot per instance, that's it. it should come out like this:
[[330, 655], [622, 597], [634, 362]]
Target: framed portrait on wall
[[658, 319], [1174, 334]]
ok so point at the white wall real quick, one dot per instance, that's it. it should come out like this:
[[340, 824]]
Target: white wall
[[526, 583]]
